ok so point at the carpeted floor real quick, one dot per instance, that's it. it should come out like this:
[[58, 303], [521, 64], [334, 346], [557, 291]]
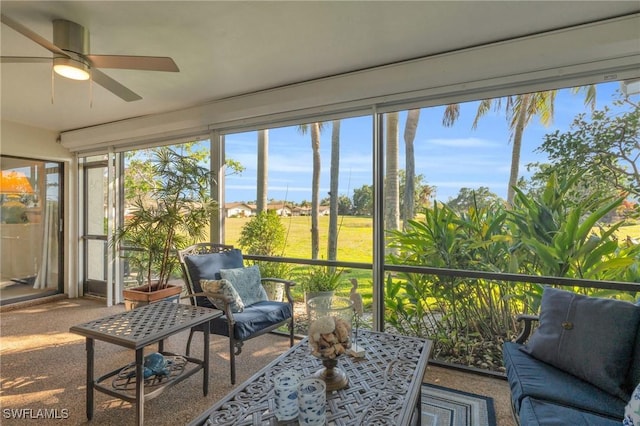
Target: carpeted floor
[[449, 407], [42, 367]]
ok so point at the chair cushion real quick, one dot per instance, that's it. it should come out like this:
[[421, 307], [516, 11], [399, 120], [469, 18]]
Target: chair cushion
[[535, 412], [529, 377], [589, 337], [247, 283], [253, 319], [225, 288], [207, 267]]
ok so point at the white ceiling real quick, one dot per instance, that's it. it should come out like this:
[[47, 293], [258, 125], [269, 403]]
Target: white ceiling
[[225, 49]]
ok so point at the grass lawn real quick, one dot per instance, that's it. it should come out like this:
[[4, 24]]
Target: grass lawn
[[629, 231], [355, 236], [355, 244]]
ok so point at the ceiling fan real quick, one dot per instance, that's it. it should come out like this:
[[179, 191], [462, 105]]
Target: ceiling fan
[[72, 57]]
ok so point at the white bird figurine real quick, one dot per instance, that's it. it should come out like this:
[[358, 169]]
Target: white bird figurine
[[356, 298], [358, 307]]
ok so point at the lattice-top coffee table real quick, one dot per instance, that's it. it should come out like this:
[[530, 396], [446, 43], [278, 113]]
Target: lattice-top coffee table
[[384, 387], [135, 330]]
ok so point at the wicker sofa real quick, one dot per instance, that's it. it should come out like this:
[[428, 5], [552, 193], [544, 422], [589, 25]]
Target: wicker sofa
[[580, 365]]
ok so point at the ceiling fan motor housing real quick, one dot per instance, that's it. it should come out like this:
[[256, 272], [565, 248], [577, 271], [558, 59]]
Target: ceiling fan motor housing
[[73, 39]]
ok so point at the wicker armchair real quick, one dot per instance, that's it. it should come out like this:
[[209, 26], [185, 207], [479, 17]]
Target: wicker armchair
[[204, 261]]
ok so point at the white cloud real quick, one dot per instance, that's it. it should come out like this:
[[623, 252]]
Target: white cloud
[[469, 142]]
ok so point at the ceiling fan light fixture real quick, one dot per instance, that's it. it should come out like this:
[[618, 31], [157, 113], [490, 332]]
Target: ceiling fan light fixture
[[70, 68]]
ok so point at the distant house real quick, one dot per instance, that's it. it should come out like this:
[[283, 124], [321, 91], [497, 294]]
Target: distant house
[[239, 210], [301, 211], [281, 209], [306, 211]]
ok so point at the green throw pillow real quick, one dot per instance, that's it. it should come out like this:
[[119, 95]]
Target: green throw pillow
[[588, 337], [225, 288], [247, 283]]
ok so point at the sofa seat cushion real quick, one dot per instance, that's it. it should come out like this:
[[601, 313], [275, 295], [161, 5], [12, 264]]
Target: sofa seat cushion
[[534, 412], [253, 319], [530, 377]]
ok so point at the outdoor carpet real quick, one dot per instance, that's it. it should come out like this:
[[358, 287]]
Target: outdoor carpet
[[449, 407]]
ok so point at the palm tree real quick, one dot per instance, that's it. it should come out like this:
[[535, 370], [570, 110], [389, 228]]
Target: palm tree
[[314, 129], [413, 116], [520, 109], [392, 182], [263, 161], [410, 127], [332, 244]]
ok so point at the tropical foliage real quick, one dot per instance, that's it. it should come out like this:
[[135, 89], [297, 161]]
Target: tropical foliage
[[545, 234], [170, 209], [604, 146]]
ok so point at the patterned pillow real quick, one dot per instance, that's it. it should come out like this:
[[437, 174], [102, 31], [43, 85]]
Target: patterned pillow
[[632, 410], [247, 283], [226, 288]]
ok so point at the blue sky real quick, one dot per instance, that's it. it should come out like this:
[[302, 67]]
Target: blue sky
[[449, 158]]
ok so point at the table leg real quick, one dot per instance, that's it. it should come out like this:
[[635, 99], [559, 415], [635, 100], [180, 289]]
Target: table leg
[[205, 358], [90, 356], [161, 346], [140, 386], [419, 406]]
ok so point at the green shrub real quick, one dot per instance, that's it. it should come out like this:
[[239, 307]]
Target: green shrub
[[263, 235]]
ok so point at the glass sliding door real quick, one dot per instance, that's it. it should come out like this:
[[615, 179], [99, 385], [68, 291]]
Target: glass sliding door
[[95, 226], [30, 229]]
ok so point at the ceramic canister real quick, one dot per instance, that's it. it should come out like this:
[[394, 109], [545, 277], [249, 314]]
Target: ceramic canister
[[312, 401], [286, 394]]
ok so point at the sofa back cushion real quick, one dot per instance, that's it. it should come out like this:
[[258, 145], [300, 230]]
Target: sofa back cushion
[[634, 372], [208, 266], [588, 337]]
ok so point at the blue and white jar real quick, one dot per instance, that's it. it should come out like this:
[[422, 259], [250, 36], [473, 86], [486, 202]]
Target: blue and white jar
[[286, 394], [312, 401]]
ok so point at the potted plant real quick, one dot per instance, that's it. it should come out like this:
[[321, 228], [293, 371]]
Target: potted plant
[[172, 212], [320, 281]]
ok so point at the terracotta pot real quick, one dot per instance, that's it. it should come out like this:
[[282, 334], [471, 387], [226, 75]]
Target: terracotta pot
[[146, 294]]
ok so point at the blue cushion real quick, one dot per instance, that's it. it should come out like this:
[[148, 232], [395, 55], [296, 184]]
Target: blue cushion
[[534, 412], [207, 267], [254, 318], [528, 376], [634, 372], [247, 283], [589, 337]]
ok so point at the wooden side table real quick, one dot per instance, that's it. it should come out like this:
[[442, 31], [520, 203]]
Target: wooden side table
[[136, 330]]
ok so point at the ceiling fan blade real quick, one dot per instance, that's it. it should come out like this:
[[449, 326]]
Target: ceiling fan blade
[[147, 63], [30, 34], [23, 59], [114, 87]]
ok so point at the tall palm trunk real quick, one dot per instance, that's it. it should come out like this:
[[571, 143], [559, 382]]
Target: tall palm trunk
[[409, 186], [263, 159], [315, 190], [392, 185], [332, 244], [520, 123]]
